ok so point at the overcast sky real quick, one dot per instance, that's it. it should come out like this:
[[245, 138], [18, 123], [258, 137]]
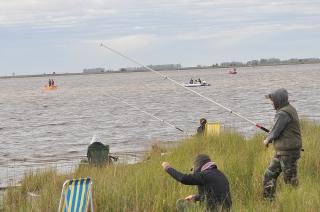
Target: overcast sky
[[42, 36]]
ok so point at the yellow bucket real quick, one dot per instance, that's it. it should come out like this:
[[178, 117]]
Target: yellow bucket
[[212, 129]]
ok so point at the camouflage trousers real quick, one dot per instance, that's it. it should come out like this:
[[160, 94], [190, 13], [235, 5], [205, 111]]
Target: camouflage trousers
[[287, 164]]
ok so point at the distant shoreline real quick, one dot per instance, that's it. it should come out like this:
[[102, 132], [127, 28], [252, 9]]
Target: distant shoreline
[[134, 71]]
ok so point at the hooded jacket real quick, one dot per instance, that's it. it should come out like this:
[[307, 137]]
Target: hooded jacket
[[285, 133], [202, 128], [213, 185], [98, 153]]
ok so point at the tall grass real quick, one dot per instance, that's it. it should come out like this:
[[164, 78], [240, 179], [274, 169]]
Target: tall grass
[[146, 187]]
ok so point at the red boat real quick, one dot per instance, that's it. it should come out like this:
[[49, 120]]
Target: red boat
[[233, 72]]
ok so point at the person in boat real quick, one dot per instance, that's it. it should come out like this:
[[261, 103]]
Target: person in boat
[[199, 80], [213, 185], [286, 138], [49, 82], [191, 81], [202, 127]]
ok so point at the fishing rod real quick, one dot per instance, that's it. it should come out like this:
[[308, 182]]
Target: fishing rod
[[189, 89], [149, 114]]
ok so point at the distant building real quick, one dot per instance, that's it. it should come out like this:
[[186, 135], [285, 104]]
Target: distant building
[[165, 67], [154, 67], [269, 61], [253, 63], [231, 64], [93, 70]]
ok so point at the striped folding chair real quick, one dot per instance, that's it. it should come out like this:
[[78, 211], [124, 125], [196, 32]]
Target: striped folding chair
[[76, 195], [212, 129]]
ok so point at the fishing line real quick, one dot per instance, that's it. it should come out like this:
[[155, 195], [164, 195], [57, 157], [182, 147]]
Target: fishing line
[[149, 114], [181, 85]]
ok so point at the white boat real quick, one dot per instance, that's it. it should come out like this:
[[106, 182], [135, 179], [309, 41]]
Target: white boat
[[203, 83]]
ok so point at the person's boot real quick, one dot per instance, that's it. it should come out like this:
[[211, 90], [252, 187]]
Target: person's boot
[[269, 190]]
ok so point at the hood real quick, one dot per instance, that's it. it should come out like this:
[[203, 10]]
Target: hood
[[279, 98], [94, 139], [208, 165], [203, 121], [199, 161]]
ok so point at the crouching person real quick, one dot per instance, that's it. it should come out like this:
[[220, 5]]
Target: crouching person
[[213, 185], [98, 153]]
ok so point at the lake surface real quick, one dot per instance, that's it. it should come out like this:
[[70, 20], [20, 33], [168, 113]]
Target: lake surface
[[39, 127]]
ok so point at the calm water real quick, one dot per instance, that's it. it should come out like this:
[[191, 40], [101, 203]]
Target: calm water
[[38, 126]]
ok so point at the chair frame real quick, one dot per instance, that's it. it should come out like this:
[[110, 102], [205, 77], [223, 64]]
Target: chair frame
[[64, 195]]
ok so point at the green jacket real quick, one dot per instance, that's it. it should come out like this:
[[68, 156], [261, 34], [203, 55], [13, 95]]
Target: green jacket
[[290, 138], [285, 134], [98, 153]]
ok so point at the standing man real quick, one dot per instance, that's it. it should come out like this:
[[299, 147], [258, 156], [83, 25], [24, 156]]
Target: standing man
[[213, 185], [286, 138]]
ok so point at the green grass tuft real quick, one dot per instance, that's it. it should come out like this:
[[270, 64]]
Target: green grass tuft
[[146, 187]]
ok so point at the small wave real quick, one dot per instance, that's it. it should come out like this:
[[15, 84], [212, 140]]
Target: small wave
[[58, 124], [121, 126], [19, 159], [52, 124], [73, 151], [37, 155]]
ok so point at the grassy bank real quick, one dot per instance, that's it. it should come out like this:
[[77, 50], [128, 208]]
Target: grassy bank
[[146, 187]]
